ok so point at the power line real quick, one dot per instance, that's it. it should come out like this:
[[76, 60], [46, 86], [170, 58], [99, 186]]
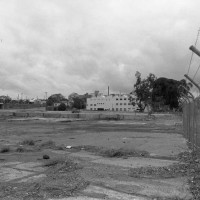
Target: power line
[[196, 72], [192, 52]]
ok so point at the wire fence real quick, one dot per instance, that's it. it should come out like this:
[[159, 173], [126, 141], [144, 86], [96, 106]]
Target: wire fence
[[191, 122]]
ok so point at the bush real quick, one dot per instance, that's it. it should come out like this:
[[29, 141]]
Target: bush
[[62, 107]]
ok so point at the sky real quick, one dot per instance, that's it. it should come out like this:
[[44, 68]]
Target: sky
[[66, 46]]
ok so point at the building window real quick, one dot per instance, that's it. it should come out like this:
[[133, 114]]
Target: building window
[[116, 109], [117, 99], [124, 103], [124, 109], [120, 109], [90, 108], [94, 104], [113, 109], [124, 98], [120, 99], [91, 104], [120, 103], [116, 103]]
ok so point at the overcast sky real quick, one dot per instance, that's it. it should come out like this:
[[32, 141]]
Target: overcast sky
[[65, 46]]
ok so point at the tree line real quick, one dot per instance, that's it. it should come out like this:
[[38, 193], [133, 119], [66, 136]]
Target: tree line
[[159, 94]]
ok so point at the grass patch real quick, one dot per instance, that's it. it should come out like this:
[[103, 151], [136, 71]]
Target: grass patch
[[5, 150], [123, 153], [28, 142], [48, 144], [113, 152], [54, 162], [61, 165], [51, 145], [172, 171]]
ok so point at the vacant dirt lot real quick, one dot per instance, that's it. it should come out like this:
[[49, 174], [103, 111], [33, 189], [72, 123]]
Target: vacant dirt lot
[[103, 159]]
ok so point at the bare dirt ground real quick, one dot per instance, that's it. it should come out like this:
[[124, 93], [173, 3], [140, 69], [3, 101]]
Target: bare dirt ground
[[92, 160]]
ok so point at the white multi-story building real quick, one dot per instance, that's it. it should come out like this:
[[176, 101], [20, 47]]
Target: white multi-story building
[[111, 102]]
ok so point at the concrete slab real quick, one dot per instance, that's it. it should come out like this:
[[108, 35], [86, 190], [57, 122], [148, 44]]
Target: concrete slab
[[111, 194], [84, 154], [9, 163], [8, 174], [168, 188], [78, 198], [32, 178], [34, 166], [134, 162]]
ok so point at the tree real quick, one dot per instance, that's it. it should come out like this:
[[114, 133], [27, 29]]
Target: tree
[[78, 103], [5, 99], [62, 107], [55, 98], [143, 89], [71, 98], [169, 91]]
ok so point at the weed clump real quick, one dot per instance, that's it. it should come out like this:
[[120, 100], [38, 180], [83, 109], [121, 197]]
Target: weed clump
[[54, 162], [61, 165], [123, 153], [51, 145], [48, 144], [28, 142], [20, 149], [4, 150]]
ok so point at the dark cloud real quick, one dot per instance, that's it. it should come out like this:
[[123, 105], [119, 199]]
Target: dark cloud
[[80, 46]]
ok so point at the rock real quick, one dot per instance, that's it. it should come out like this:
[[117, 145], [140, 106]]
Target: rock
[[46, 157]]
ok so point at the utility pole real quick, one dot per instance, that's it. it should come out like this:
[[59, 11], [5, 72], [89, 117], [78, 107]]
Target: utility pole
[[197, 52]]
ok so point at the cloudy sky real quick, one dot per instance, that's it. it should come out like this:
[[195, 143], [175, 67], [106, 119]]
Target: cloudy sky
[[65, 46]]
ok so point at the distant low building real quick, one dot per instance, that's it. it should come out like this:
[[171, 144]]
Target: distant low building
[[114, 102]]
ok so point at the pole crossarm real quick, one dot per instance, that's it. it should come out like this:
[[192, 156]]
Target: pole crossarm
[[195, 50]]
